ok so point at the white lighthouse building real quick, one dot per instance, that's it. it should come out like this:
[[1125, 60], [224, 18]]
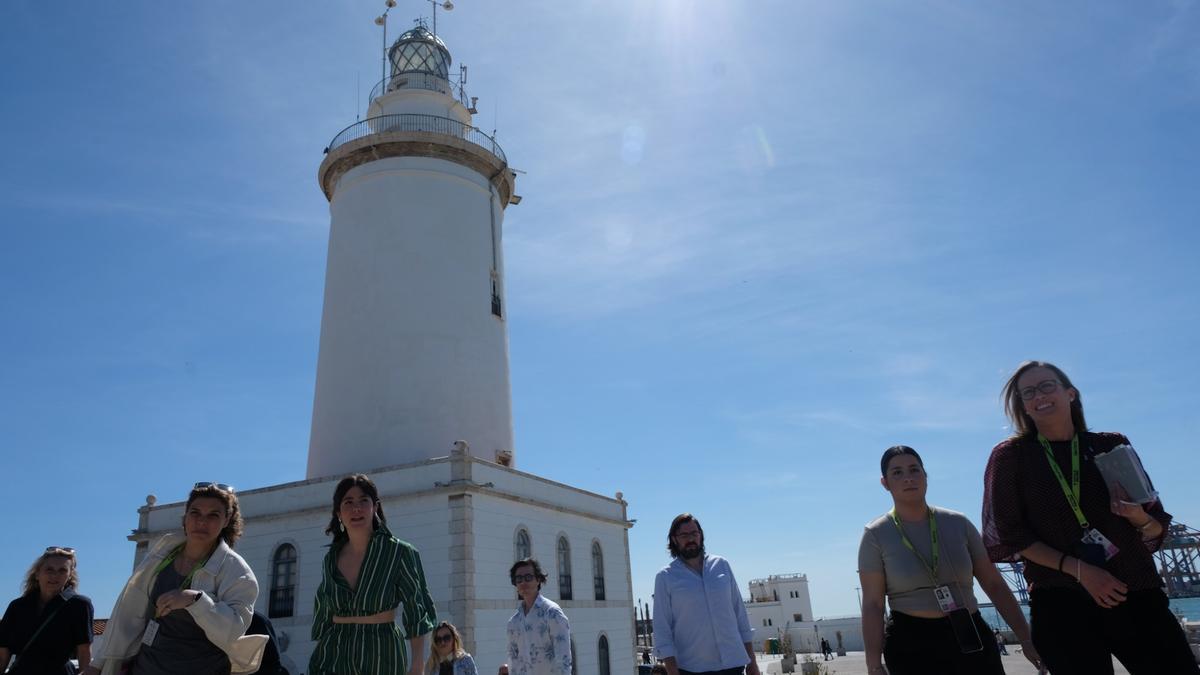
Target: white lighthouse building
[[413, 389], [414, 349]]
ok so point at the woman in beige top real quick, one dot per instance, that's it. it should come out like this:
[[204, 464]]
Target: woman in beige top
[[924, 559]]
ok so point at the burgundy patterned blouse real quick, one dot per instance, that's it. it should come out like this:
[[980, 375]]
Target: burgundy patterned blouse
[[1024, 503]]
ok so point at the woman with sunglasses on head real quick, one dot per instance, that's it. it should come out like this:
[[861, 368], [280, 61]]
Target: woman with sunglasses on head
[[185, 609], [50, 621], [924, 560], [446, 655], [1094, 589], [367, 573]]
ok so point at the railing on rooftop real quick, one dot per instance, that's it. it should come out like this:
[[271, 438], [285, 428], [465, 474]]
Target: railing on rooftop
[[413, 122], [416, 80]]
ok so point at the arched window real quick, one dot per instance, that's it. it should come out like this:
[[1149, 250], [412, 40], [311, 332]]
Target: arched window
[[603, 652], [598, 572], [283, 582], [564, 569], [522, 548]]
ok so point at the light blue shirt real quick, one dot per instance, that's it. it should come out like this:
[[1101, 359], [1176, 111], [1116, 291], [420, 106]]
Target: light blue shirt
[[699, 618]]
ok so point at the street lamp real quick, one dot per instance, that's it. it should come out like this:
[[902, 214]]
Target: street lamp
[[446, 5], [381, 20]]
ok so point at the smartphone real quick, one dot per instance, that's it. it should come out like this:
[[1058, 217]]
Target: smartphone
[[965, 631]]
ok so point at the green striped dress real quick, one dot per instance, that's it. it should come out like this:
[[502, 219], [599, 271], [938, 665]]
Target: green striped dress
[[391, 576]]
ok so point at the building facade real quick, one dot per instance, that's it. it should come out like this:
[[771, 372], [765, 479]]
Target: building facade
[[779, 607]]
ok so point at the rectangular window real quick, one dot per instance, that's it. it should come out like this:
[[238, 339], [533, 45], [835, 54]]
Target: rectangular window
[[797, 617]]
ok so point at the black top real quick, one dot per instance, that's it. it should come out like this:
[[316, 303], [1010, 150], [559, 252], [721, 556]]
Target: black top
[[180, 647], [1024, 503], [70, 627]]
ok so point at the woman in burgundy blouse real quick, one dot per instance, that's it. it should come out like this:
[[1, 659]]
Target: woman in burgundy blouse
[[1089, 600]]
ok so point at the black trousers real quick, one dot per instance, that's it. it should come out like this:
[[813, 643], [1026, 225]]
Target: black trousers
[[1075, 636], [914, 646]]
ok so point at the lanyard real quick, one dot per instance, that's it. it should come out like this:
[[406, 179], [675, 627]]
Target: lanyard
[[933, 539], [187, 581], [1072, 492]]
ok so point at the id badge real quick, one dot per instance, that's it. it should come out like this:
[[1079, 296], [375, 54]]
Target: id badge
[[151, 632], [1096, 537], [945, 599]]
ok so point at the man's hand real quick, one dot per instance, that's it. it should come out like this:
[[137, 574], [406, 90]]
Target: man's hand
[[503, 669], [752, 667]]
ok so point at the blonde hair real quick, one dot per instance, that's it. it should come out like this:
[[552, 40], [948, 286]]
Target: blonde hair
[[435, 660], [31, 583]]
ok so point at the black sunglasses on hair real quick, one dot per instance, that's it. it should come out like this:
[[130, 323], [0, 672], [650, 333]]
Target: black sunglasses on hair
[[65, 550], [209, 484]]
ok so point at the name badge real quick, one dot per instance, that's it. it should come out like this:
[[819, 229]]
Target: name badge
[[945, 599], [151, 632], [1096, 537]]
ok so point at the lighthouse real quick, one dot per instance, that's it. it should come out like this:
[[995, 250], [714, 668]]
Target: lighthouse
[[414, 348], [413, 389]]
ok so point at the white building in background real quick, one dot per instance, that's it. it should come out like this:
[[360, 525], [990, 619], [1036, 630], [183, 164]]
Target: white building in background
[[413, 359], [780, 606]]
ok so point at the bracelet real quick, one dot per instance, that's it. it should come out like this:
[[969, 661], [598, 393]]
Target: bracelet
[[1079, 571], [1061, 560]]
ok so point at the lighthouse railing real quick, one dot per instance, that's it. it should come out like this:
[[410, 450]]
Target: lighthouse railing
[[412, 80], [415, 122]]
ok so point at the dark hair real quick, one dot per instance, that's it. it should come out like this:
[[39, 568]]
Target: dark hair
[[31, 587], [894, 452], [233, 530], [1014, 407], [675, 525], [532, 562], [362, 482]]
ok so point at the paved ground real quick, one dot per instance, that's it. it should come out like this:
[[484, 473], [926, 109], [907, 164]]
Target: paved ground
[[854, 663]]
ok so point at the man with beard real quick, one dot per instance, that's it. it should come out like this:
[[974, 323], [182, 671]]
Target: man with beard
[[700, 623]]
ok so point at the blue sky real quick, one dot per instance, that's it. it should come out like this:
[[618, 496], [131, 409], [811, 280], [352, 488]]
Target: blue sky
[[760, 243]]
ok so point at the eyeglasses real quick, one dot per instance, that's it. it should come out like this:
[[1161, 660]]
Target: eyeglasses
[[443, 638], [694, 534], [209, 484], [518, 578], [1045, 387], [65, 550]]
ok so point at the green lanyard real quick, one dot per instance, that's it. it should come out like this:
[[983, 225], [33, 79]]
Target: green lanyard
[[1072, 492], [933, 538], [187, 581]]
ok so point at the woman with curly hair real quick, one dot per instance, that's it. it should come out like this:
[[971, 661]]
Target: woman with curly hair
[[50, 621], [1095, 592], [187, 606]]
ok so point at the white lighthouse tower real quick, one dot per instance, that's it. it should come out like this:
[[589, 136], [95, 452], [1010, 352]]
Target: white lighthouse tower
[[414, 357], [414, 348]]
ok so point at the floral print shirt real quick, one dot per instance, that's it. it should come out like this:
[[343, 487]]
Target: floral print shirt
[[539, 642]]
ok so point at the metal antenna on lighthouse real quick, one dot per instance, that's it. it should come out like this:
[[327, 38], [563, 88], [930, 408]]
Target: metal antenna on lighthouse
[[381, 20], [447, 5]]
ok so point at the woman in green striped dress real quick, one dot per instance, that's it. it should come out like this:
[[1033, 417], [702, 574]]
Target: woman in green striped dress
[[366, 575]]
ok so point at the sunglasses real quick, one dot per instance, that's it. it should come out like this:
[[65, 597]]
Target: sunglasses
[[209, 484], [65, 550], [518, 578], [443, 638]]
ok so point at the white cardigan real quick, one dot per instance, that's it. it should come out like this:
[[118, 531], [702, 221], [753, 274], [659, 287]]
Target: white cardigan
[[223, 609]]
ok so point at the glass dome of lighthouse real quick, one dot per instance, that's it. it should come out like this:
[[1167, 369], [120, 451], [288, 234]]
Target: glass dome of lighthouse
[[419, 51]]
